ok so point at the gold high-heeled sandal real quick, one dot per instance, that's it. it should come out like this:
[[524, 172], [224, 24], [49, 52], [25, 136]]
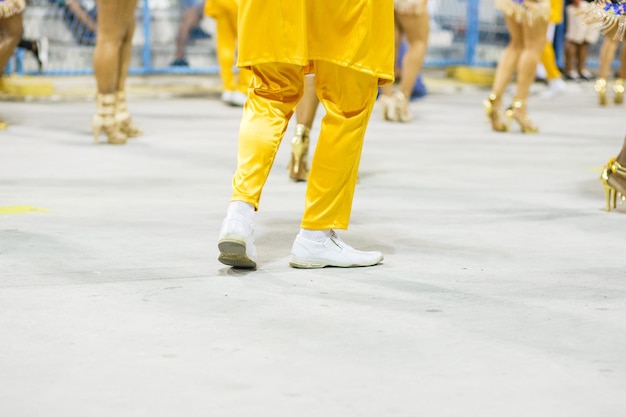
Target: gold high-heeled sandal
[[388, 108], [123, 117], [517, 111], [618, 91], [297, 167], [600, 87], [613, 190], [3, 125], [104, 120], [493, 114], [403, 112]]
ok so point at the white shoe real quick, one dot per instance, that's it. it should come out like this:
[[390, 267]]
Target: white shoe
[[236, 243], [42, 53], [573, 75], [227, 96], [333, 251], [586, 75], [388, 108], [555, 87]]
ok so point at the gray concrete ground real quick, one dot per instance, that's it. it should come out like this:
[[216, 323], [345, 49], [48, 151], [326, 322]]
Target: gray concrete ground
[[502, 292]]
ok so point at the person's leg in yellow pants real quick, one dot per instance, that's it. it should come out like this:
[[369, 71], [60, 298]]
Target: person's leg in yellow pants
[[556, 85], [275, 90], [548, 59], [234, 86], [226, 41], [348, 97]]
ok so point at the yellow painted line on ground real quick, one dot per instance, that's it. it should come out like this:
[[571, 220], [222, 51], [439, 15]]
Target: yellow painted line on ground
[[20, 210], [26, 86], [473, 75]]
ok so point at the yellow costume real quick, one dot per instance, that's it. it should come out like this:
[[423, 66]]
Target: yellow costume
[[548, 58], [224, 12], [349, 45], [525, 10]]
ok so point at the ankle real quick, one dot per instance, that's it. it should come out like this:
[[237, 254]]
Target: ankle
[[495, 100], [241, 208], [316, 235]]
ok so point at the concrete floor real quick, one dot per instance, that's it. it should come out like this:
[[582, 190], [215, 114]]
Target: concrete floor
[[502, 293]]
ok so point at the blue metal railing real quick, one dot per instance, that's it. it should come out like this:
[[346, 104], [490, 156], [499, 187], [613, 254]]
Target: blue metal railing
[[471, 41]]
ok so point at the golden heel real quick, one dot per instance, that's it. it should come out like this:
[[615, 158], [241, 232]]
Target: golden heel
[[401, 104], [518, 112], [600, 87], [388, 108], [123, 117], [612, 187], [104, 121], [608, 192], [618, 91], [297, 167], [493, 114]]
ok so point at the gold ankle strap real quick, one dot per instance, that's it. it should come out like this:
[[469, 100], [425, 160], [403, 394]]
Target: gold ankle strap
[[518, 103], [303, 130], [617, 168]]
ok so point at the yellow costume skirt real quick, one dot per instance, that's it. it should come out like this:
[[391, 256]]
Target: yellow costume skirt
[[611, 16], [526, 11]]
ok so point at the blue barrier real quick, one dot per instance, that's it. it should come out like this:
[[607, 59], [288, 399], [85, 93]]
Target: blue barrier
[[474, 31]]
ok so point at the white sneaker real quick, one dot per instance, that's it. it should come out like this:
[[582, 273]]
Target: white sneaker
[[236, 243], [555, 87], [333, 251], [572, 75], [586, 75], [227, 96], [42, 53]]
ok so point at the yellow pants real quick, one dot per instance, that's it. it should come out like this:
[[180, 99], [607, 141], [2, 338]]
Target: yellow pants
[[224, 12], [548, 59], [348, 97]]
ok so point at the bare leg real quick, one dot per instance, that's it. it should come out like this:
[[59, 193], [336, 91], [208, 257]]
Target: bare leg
[[190, 19], [81, 15], [415, 29], [305, 115], [582, 58], [534, 38], [607, 54], [111, 56], [621, 157], [307, 107], [11, 29], [387, 90], [115, 23], [504, 72], [509, 59], [126, 51], [570, 54], [622, 63], [387, 102]]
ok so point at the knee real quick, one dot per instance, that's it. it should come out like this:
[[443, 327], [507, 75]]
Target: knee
[[516, 47]]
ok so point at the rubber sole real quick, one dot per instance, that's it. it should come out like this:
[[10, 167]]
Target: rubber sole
[[302, 263], [233, 253]]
